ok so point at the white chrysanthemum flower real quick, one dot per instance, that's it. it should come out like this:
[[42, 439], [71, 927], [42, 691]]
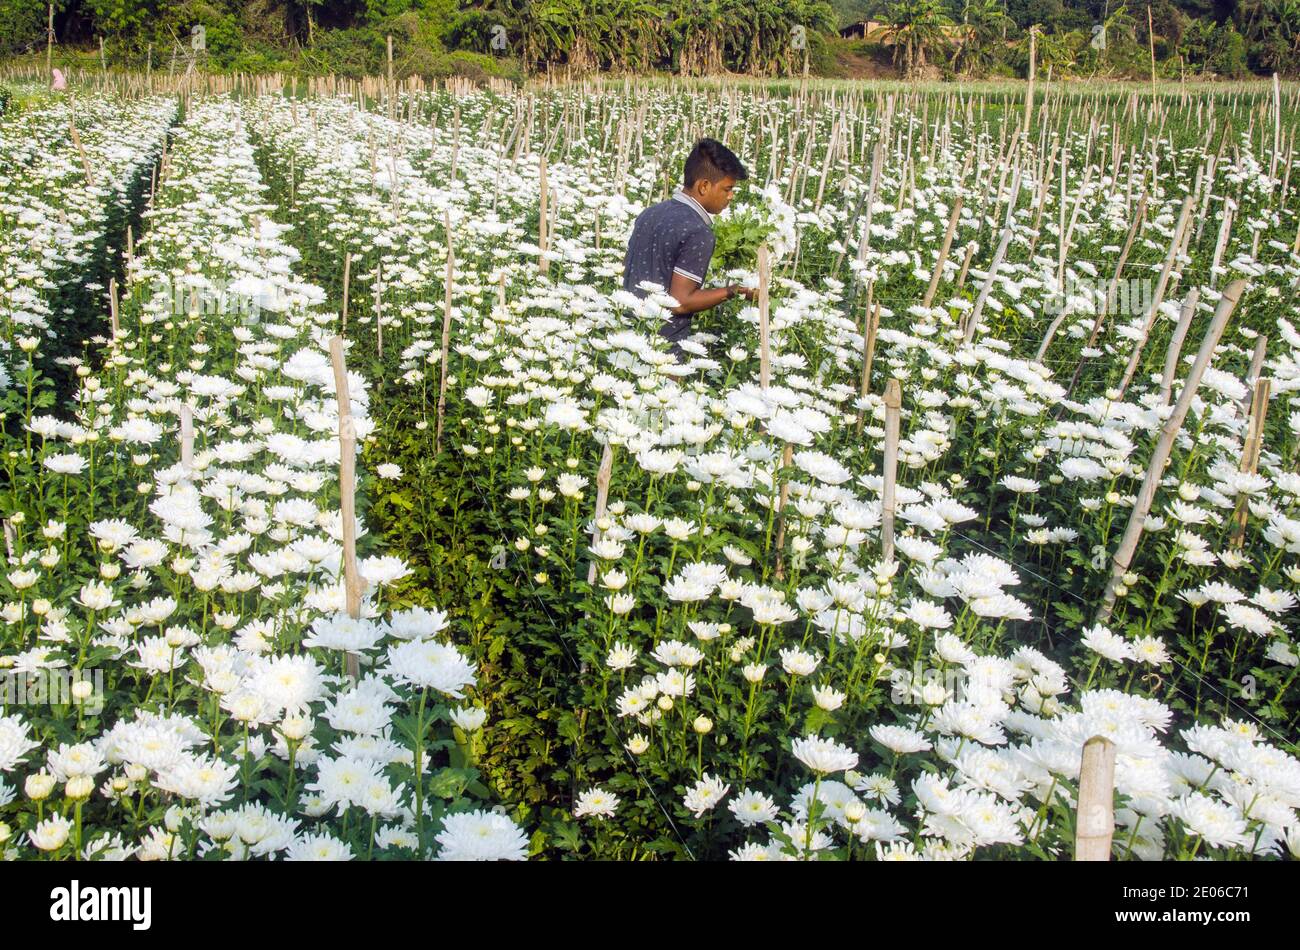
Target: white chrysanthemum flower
[[597, 803], [481, 836]]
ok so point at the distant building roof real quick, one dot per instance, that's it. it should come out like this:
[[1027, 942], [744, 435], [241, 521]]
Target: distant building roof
[[883, 32]]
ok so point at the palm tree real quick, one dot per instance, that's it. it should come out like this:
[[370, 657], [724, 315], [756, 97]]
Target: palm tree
[[983, 26], [1119, 23], [1058, 50], [915, 26]]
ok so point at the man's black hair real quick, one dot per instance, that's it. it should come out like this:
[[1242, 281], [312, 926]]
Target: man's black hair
[[713, 161]]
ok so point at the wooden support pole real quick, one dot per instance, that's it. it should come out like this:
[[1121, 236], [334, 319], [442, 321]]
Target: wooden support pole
[[602, 497], [81, 150], [187, 438], [872, 325], [347, 278], [943, 253], [1095, 822], [764, 306], [787, 456], [1164, 445], [113, 307], [965, 266], [1250, 455], [1176, 345], [379, 312], [446, 336], [353, 582], [877, 160], [893, 417], [543, 236], [1277, 126], [1113, 286], [1029, 92], [1158, 295], [1151, 45], [987, 287], [1256, 367]]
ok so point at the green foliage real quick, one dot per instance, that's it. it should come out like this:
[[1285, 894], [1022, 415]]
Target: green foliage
[[1209, 48], [434, 38], [738, 235], [122, 17], [22, 25]]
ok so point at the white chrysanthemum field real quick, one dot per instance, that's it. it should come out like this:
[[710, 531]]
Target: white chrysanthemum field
[[595, 602]]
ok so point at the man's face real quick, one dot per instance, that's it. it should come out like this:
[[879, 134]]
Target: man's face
[[714, 196]]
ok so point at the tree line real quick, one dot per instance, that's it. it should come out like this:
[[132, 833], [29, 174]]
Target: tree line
[[1229, 38]]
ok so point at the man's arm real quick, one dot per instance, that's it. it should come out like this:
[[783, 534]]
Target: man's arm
[[692, 298]]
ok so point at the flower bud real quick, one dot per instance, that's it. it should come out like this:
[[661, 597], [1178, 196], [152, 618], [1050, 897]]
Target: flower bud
[[39, 786], [79, 787], [295, 728]]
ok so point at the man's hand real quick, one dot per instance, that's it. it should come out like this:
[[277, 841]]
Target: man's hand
[[692, 298]]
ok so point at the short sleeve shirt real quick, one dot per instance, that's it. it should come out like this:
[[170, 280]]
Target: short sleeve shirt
[[673, 236]]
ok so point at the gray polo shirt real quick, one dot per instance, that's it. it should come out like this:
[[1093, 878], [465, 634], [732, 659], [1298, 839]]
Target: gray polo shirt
[[673, 236]]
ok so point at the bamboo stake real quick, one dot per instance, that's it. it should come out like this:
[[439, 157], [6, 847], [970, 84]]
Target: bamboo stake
[[764, 306], [347, 276], [1256, 366], [1095, 825], [446, 336], [893, 412], [944, 249], [1151, 45], [1277, 126], [965, 266], [353, 583], [1158, 296], [187, 438], [542, 235], [877, 159], [1029, 92], [787, 456], [987, 287], [1108, 306], [1250, 455], [112, 307], [81, 150], [1146, 494], [1221, 242], [602, 496], [868, 357], [1176, 345], [377, 288]]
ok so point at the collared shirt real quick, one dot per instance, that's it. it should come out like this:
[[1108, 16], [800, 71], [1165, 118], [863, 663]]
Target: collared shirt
[[673, 236], [682, 196]]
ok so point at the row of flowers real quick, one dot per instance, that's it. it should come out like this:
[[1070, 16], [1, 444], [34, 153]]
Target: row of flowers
[[60, 200], [192, 594], [741, 634]]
